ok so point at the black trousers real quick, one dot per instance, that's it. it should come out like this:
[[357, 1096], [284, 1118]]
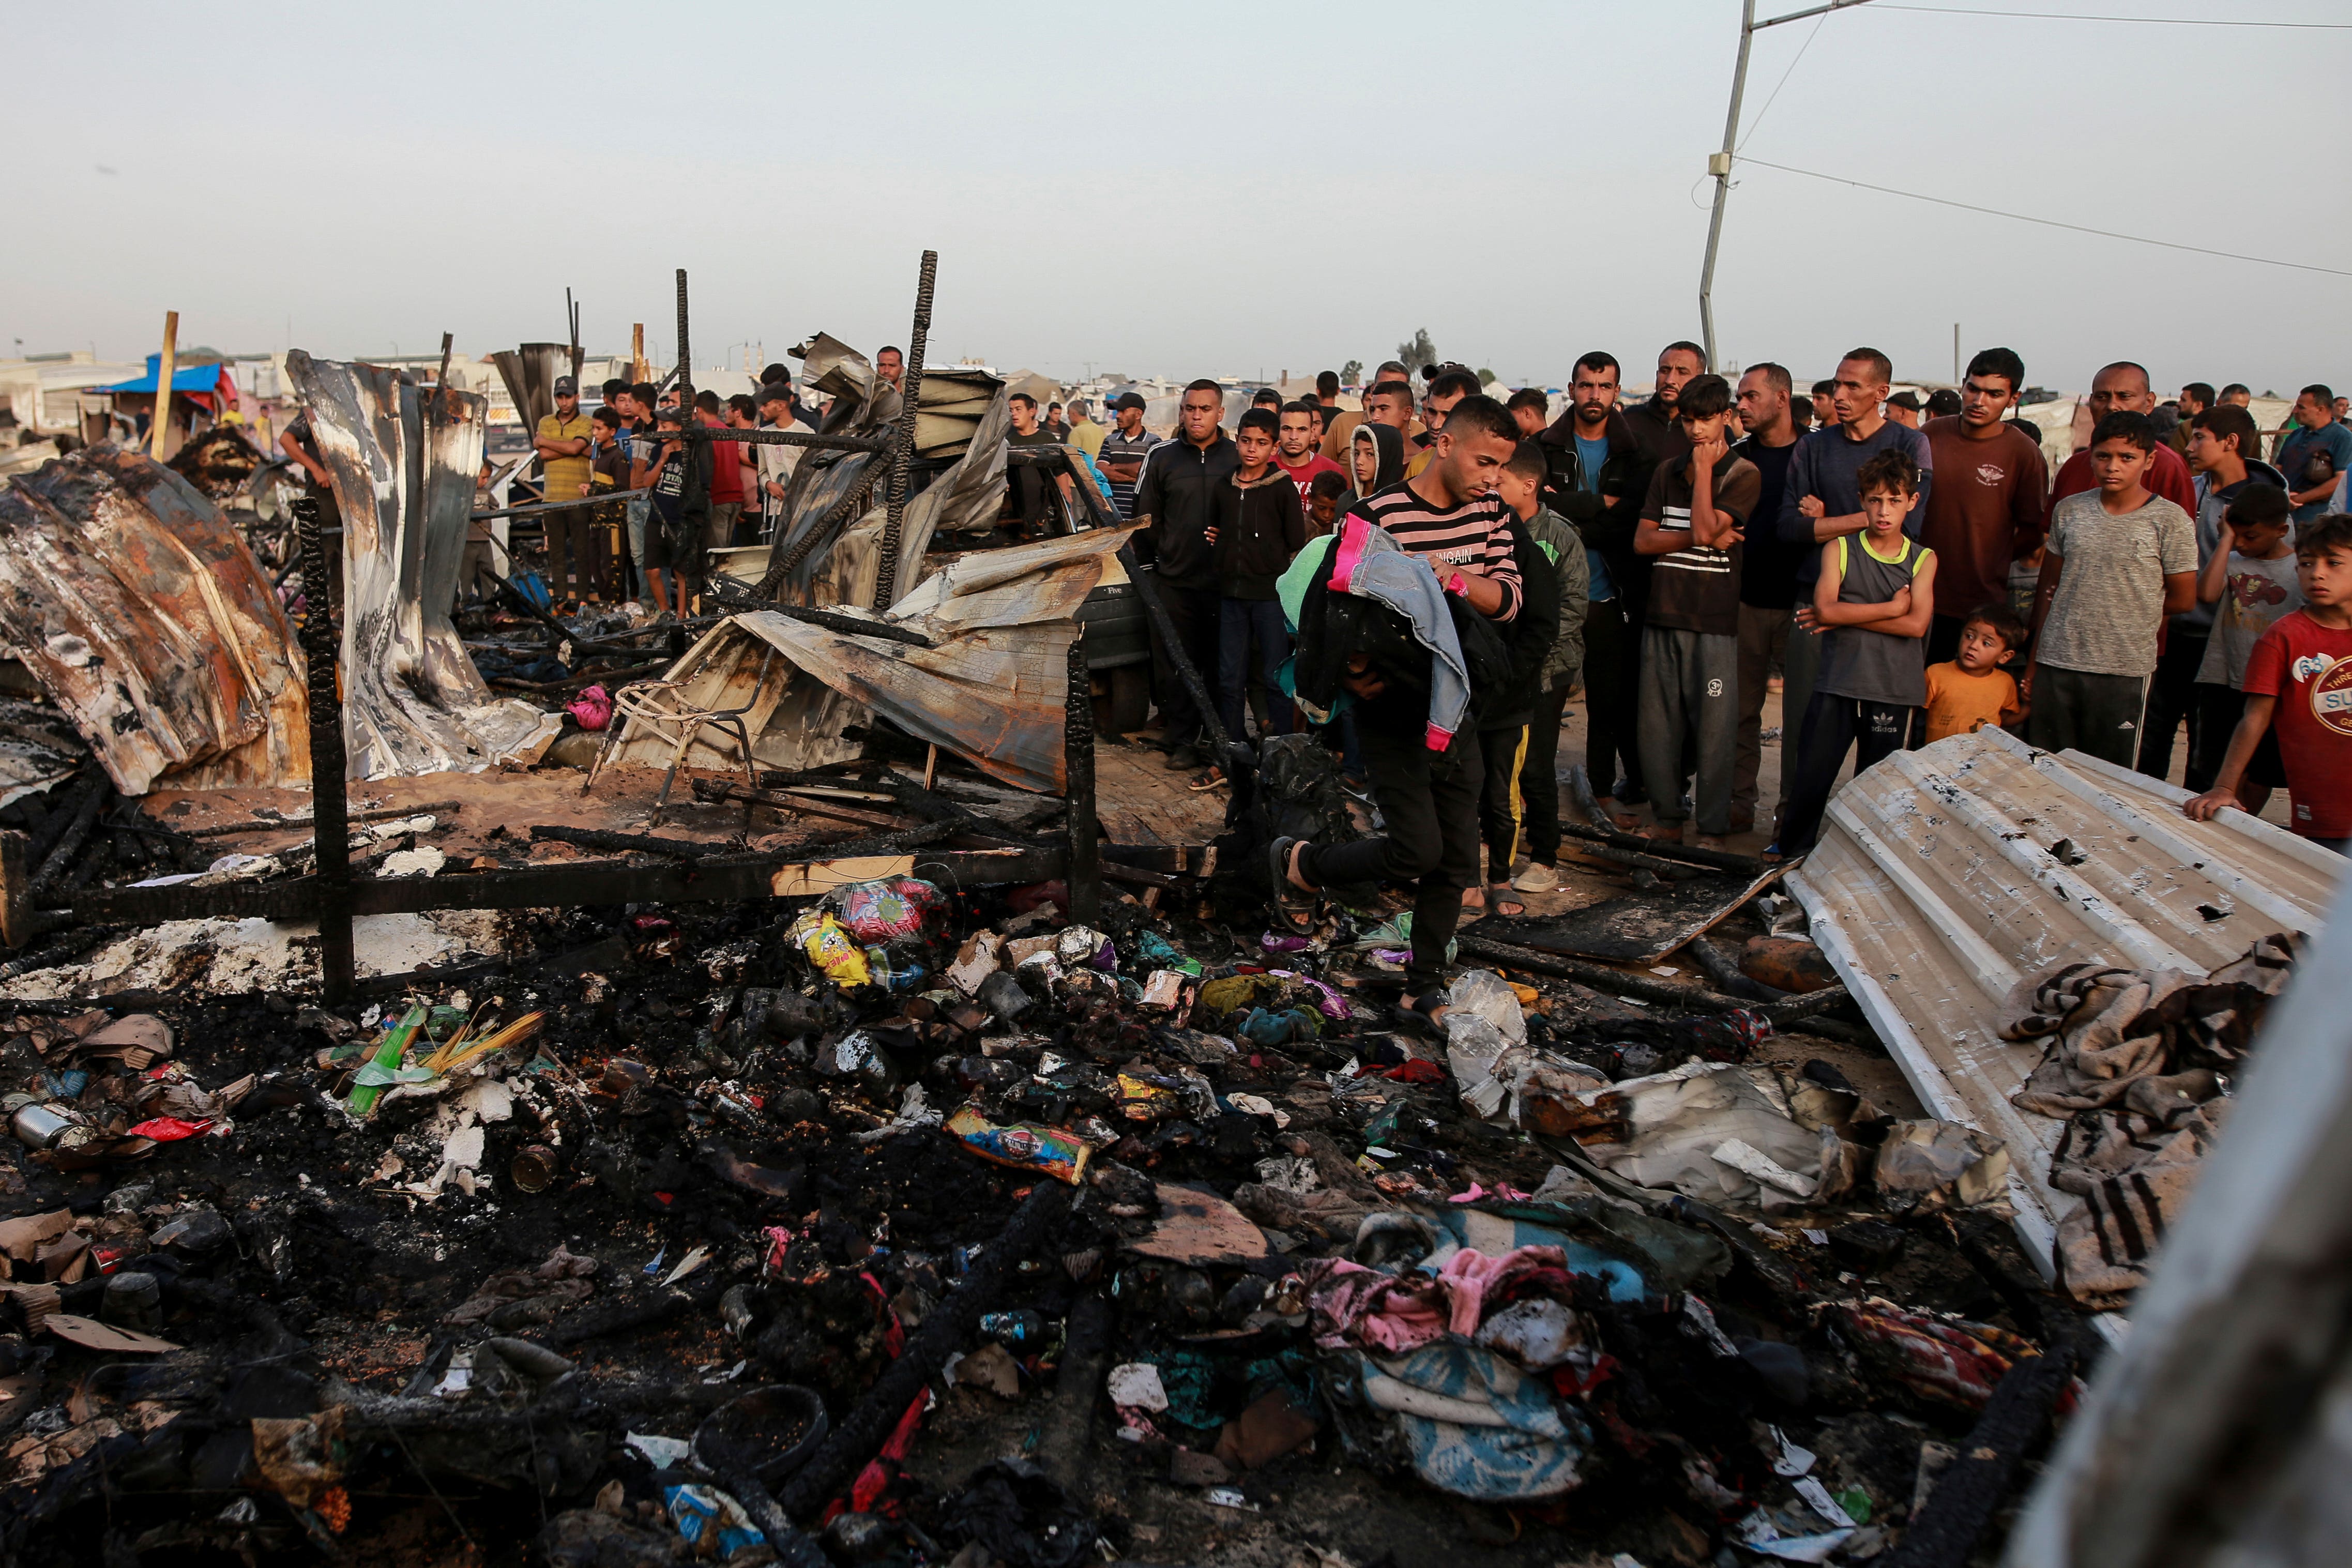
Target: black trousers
[[1612, 657], [1539, 779], [1195, 613], [1833, 723], [1429, 815], [1498, 797], [2172, 702]]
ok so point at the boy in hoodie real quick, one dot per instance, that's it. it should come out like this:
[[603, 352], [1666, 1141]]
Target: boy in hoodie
[[1376, 458], [1259, 526], [1692, 525], [1518, 731], [1521, 488]]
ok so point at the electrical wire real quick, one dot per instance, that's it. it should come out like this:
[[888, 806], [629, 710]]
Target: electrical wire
[[1784, 78], [2046, 223], [2084, 17]]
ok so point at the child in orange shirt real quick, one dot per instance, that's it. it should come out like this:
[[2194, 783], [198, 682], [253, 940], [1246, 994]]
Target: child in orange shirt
[[1973, 690]]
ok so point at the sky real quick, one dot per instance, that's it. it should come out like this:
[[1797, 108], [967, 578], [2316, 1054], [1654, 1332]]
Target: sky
[[1214, 190]]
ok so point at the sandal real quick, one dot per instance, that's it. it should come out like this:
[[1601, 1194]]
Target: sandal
[[1294, 906], [1503, 900]]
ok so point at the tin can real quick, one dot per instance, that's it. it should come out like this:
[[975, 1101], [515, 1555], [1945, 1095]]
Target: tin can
[[535, 1169], [39, 1126]]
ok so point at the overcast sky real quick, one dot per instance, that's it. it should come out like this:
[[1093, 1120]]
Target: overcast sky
[[1179, 190]]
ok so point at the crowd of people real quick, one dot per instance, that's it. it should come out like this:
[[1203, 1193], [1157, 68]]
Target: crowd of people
[[1425, 582], [1426, 579]]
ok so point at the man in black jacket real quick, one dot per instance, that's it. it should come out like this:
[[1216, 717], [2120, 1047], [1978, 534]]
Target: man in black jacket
[[1596, 479], [1183, 483]]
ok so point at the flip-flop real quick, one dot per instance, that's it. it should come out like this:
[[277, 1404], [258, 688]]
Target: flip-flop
[[1504, 900], [1294, 906]]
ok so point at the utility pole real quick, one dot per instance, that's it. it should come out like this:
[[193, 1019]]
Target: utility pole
[[1718, 164]]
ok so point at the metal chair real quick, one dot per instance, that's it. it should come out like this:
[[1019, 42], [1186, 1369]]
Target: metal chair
[[661, 705]]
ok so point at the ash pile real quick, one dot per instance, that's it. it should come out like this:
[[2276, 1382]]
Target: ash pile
[[910, 1225]]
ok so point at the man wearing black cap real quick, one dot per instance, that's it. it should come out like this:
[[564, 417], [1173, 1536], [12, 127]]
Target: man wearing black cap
[[1123, 451], [562, 443]]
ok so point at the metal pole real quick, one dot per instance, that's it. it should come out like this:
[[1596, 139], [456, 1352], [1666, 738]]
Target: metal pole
[[1956, 353], [911, 392], [329, 810], [1719, 164], [1720, 167], [1084, 876]]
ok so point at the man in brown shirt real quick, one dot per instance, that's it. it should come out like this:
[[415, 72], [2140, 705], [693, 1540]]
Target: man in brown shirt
[[1986, 508]]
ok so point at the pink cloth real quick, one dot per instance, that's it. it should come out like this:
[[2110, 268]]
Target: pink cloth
[[593, 707], [1398, 1313]]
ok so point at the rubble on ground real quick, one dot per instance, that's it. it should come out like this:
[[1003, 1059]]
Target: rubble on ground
[[950, 1230]]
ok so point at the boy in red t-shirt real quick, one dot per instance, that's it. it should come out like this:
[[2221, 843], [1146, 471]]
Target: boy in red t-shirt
[[2299, 676]]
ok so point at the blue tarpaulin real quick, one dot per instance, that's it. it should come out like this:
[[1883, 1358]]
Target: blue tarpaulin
[[185, 378]]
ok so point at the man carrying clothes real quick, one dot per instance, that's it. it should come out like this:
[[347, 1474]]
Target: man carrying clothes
[[1182, 487], [1426, 778]]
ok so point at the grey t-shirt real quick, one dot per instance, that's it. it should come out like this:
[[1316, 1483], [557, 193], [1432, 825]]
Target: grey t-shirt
[[2259, 592], [2103, 620], [1857, 662]]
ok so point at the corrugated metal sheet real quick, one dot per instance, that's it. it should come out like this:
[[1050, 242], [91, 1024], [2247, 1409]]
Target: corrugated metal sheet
[[993, 688], [1946, 876], [139, 608], [404, 463]]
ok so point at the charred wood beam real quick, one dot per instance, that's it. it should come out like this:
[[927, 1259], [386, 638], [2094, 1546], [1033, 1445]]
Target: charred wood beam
[[584, 884], [1945, 1531], [1078, 789], [852, 625], [330, 900], [902, 447], [944, 1331], [1580, 786], [284, 824], [627, 843]]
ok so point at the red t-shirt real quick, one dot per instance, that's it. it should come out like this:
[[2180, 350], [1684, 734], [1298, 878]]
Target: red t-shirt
[[727, 468], [2308, 668], [1304, 475], [2167, 476]]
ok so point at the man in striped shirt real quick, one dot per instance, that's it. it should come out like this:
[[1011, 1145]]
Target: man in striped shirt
[[1692, 525], [1123, 451], [1450, 517]]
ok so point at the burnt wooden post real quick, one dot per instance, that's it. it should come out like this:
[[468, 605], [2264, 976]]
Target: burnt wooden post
[[329, 810], [910, 394], [1085, 875]]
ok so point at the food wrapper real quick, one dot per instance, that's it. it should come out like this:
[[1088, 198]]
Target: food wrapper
[[1023, 1145], [832, 948]]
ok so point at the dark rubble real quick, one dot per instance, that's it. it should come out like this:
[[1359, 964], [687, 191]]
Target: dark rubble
[[430, 1333]]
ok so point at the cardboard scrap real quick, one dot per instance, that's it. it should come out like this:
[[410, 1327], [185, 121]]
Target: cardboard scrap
[[91, 1335], [1198, 1227]]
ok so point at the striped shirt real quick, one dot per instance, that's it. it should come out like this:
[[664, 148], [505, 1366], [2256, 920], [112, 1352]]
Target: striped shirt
[[1696, 588], [1117, 447], [1474, 534]]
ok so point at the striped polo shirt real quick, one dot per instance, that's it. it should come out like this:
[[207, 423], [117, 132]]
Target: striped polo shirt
[[1131, 448], [1474, 534]]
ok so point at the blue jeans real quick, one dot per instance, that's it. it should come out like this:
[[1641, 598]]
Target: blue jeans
[[1239, 621]]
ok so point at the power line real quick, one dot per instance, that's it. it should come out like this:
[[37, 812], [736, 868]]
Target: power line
[[1784, 78], [2084, 16], [2046, 223]]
